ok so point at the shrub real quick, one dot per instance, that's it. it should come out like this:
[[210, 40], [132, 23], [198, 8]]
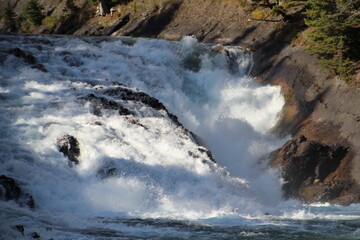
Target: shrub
[[32, 12]]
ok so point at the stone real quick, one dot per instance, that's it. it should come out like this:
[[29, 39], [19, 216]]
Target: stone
[[99, 103], [28, 58], [69, 146], [119, 24], [35, 235], [126, 94], [305, 167], [10, 191], [20, 228]]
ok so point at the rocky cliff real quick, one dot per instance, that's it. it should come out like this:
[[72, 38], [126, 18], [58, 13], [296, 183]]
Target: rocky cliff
[[321, 112]]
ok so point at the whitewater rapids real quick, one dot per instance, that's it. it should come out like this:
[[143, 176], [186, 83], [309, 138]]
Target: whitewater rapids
[[159, 180]]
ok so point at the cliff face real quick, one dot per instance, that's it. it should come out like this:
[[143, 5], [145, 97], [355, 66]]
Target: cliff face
[[320, 108]]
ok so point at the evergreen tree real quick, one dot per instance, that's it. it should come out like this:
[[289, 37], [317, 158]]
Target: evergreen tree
[[10, 18], [334, 33], [32, 11]]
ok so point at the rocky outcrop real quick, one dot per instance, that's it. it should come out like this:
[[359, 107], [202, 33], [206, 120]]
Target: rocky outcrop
[[133, 105], [10, 191], [69, 146], [27, 58], [101, 103], [311, 171]]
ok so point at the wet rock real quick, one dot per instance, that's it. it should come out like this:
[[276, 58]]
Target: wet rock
[[305, 168], [39, 67], [20, 228], [126, 94], [107, 171], [208, 153], [69, 146], [72, 61], [35, 235], [99, 103], [10, 191], [130, 95], [28, 58]]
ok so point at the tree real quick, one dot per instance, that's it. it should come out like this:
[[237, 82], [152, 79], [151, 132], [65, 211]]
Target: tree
[[274, 6], [32, 12], [10, 18], [105, 5], [334, 33]]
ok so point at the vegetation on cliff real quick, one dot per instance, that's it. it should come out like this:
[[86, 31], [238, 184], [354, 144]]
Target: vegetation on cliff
[[10, 19], [334, 33], [333, 30], [32, 12]]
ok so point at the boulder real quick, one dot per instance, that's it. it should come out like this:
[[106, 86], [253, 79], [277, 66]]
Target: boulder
[[69, 146], [306, 167], [10, 191], [127, 94], [27, 58]]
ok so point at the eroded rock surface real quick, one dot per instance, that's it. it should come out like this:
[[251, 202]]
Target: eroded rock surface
[[70, 147], [309, 169], [10, 191]]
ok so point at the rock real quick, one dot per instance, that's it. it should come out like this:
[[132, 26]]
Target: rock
[[99, 103], [69, 146], [17, 52], [305, 168], [10, 191], [130, 95], [119, 24], [20, 228], [35, 235], [27, 58], [126, 94], [208, 153], [39, 67], [107, 171]]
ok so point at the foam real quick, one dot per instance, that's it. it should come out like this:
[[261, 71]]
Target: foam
[[156, 177]]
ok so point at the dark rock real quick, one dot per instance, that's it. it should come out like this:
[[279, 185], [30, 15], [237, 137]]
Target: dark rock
[[126, 94], [21, 54], [72, 61], [9, 190], [69, 146], [20, 228], [119, 24], [129, 95], [107, 171], [306, 165], [39, 67], [208, 153], [35, 235], [99, 103], [28, 58]]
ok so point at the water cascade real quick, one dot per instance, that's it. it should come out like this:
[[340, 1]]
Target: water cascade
[[132, 138]]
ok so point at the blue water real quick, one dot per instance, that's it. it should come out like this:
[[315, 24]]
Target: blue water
[[164, 187]]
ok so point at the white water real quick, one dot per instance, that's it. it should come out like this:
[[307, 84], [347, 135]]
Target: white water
[[230, 114]]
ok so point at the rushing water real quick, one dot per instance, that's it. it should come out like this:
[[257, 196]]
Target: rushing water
[[160, 190]]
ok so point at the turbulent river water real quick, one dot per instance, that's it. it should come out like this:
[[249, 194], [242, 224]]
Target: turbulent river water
[[161, 185]]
